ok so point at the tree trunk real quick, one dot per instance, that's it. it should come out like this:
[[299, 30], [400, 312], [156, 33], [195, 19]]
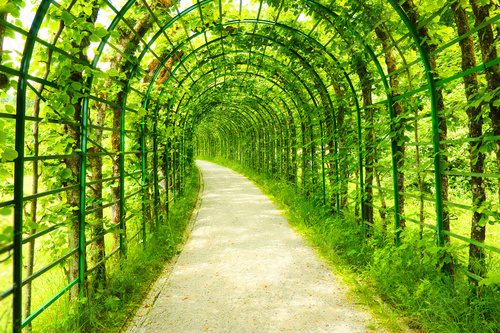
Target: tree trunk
[[98, 247], [366, 93], [330, 167], [399, 125], [128, 43], [383, 210], [477, 264], [116, 148], [420, 181], [30, 253], [488, 46], [72, 163], [340, 92], [416, 109]]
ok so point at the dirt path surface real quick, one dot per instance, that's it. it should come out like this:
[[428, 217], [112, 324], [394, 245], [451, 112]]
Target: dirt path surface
[[245, 270]]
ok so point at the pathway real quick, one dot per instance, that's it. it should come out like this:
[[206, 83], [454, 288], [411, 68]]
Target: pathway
[[244, 269]]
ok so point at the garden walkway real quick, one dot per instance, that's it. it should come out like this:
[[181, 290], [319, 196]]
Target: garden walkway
[[244, 269]]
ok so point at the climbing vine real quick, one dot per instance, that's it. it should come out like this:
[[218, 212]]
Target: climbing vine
[[383, 111]]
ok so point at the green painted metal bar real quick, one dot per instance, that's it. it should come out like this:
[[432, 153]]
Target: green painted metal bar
[[48, 303], [322, 145], [267, 139], [312, 40], [395, 171], [260, 102], [17, 269], [312, 151], [435, 125], [260, 76], [155, 166], [323, 148], [121, 156], [49, 266], [295, 172], [211, 88], [243, 111], [143, 179], [167, 180], [39, 234], [206, 90]]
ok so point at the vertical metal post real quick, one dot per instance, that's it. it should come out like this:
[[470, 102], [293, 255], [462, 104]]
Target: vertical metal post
[[123, 249], [336, 161], [167, 185], [313, 159], [435, 122], [174, 171], [143, 179], [360, 161], [303, 160], [183, 159], [82, 209], [17, 269], [155, 166], [360, 138], [395, 185], [323, 180]]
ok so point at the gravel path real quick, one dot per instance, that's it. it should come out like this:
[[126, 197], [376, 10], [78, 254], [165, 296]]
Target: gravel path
[[244, 269]]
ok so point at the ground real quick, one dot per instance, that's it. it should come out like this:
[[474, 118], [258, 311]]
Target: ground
[[244, 269]]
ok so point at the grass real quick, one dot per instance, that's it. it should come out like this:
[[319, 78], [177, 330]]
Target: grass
[[399, 284], [128, 281], [109, 310]]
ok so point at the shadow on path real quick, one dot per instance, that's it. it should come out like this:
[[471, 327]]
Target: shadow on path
[[245, 270]]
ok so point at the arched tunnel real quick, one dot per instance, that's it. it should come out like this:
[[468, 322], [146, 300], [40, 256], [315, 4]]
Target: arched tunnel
[[382, 112]]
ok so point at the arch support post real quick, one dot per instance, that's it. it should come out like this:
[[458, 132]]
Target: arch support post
[[17, 262], [435, 122]]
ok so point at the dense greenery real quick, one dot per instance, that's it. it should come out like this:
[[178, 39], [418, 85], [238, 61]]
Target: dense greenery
[[384, 111], [405, 277], [110, 307]]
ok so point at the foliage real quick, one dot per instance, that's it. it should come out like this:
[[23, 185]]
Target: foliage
[[110, 309], [404, 276], [117, 106]]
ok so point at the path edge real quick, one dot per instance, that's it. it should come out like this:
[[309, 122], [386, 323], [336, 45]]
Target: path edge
[[352, 286], [136, 320]]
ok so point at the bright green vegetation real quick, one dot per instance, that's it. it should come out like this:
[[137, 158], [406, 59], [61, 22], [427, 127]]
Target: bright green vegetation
[[405, 277], [108, 308], [384, 112]]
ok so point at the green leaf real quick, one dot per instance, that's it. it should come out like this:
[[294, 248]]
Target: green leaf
[[101, 32], [6, 211], [76, 85], [10, 108], [67, 18], [9, 8], [94, 38], [141, 112], [66, 174], [69, 110], [113, 72], [9, 154], [485, 148], [6, 235], [482, 222], [31, 225], [492, 279]]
